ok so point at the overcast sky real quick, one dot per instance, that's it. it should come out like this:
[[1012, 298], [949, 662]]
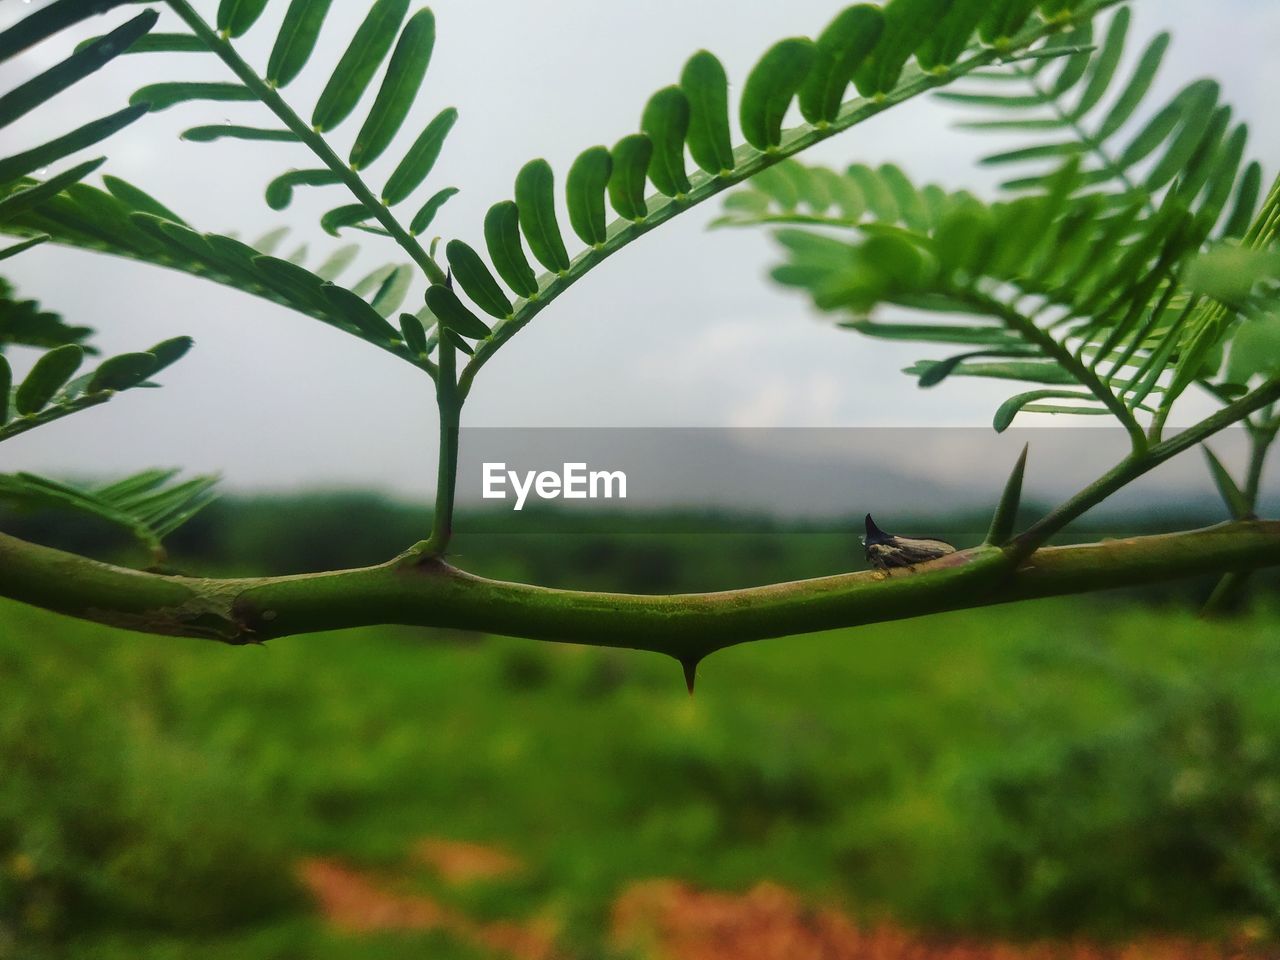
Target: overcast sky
[[680, 329]]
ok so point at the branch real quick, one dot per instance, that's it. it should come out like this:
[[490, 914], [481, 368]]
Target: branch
[[1138, 464], [687, 627]]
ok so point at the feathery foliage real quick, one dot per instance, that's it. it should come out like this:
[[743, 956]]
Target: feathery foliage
[[1092, 281], [51, 389], [148, 505]]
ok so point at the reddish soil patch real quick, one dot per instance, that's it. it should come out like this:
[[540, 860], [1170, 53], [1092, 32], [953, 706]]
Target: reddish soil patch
[[359, 903], [460, 863], [668, 920]]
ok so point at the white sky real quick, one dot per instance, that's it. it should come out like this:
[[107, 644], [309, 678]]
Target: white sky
[[680, 329]]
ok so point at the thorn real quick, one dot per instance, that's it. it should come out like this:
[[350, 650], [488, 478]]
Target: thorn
[[690, 673]]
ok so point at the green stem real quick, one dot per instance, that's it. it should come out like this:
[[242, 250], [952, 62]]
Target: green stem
[[687, 626], [317, 144], [449, 405], [749, 162], [1138, 464]]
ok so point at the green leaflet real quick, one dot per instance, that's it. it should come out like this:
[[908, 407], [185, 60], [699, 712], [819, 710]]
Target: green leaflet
[[777, 183], [805, 188], [1102, 68], [1004, 19], [459, 343], [502, 239], [27, 96], [280, 190], [876, 192], [399, 88], [910, 204], [535, 201], [1200, 94], [359, 314], [20, 201], [138, 199], [22, 164], [415, 337], [1196, 119], [839, 52], [162, 96], [123, 372], [423, 218], [907, 24], [350, 79], [393, 291], [338, 261], [168, 352], [932, 333], [631, 157], [161, 43], [843, 192], [372, 282], [348, 215], [271, 240], [33, 491], [235, 17], [706, 87], [6, 384], [220, 131], [296, 284], [175, 237], [964, 239], [1076, 65], [933, 372], [296, 40], [476, 280], [422, 156], [1221, 180], [1041, 151], [949, 37], [130, 488], [47, 377], [51, 19], [1015, 405], [453, 316], [666, 123], [584, 190], [1130, 98], [769, 89], [1247, 194]]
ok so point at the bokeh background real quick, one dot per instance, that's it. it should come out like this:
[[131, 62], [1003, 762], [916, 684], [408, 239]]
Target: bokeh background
[[1069, 779]]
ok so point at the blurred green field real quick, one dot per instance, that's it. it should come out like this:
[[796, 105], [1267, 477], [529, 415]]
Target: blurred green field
[[1067, 767]]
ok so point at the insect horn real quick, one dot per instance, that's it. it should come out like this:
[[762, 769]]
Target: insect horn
[[874, 533]]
